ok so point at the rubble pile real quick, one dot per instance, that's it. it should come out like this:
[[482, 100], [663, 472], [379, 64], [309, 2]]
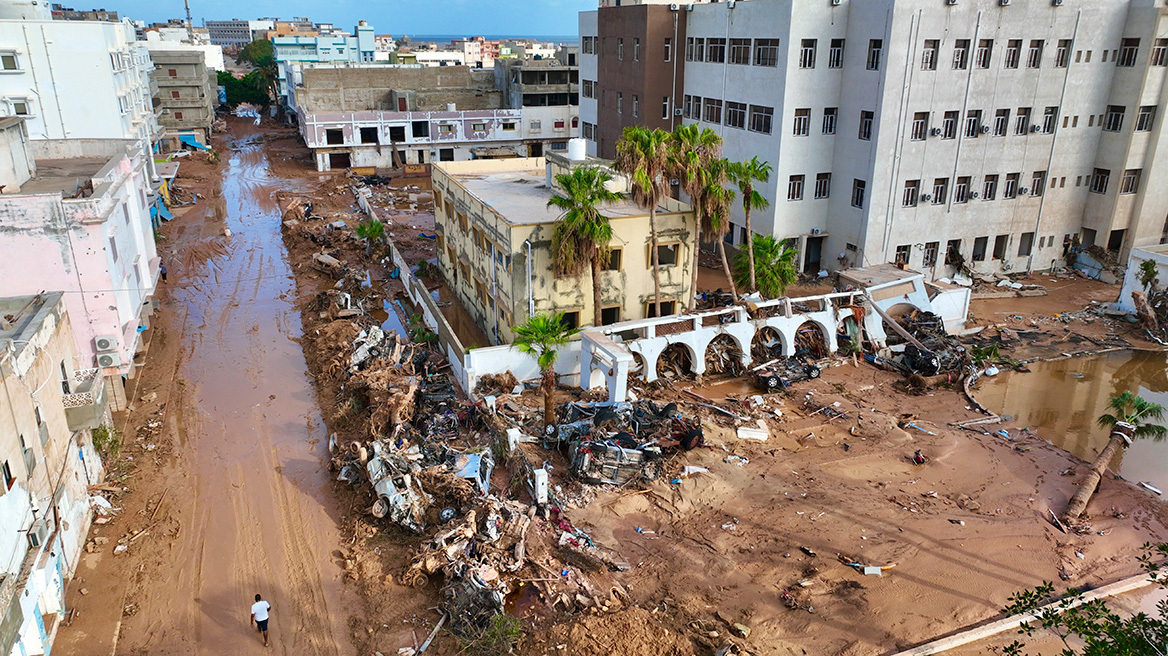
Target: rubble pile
[[942, 353]]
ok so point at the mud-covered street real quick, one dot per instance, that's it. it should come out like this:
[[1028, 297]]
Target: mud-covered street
[[245, 507]]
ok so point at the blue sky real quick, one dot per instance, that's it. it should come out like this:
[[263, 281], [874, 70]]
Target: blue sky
[[467, 17]]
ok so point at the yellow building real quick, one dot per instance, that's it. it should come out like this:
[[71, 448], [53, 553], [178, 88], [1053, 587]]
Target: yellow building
[[494, 247]]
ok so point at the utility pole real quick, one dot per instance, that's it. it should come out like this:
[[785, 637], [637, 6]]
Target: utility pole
[[190, 24]]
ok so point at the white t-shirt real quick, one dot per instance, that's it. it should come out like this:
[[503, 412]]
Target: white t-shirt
[[260, 610]]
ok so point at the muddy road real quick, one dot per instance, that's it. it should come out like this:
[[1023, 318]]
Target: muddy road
[[248, 484]]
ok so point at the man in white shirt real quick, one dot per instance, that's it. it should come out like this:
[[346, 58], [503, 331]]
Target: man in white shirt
[[259, 616]]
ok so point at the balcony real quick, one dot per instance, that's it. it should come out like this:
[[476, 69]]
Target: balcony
[[85, 407]]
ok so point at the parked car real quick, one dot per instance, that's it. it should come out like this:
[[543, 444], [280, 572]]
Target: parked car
[[781, 374]]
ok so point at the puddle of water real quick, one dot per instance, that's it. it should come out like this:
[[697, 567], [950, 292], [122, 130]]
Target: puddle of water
[[1063, 398], [389, 318]]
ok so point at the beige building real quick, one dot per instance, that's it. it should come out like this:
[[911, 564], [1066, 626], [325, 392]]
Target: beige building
[[186, 94], [47, 461], [494, 247]]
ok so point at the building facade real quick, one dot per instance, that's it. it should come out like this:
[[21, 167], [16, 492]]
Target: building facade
[[494, 247], [187, 93], [236, 33], [321, 48], [47, 462], [980, 133]]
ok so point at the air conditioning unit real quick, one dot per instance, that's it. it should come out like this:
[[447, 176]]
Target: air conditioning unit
[[730, 4], [936, 132], [985, 129], [677, 111], [815, 231], [1035, 128], [973, 195], [109, 360], [836, 3], [1003, 3], [1022, 191], [674, 7], [1056, 3], [925, 198], [689, 7], [38, 533], [105, 342], [950, 2]]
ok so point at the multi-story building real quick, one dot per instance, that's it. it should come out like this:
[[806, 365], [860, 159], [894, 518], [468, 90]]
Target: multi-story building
[[236, 33], [186, 93], [383, 47], [494, 247], [68, 13], [385, 116], [632, 71], [178, 40], [979, 132], [540, 82], [47, 460], [304, 49]]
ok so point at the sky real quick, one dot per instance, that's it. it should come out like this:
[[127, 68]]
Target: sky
[[396, 17]]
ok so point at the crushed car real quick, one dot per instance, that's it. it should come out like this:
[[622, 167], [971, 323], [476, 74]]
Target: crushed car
[[782, 373], [398, 494]]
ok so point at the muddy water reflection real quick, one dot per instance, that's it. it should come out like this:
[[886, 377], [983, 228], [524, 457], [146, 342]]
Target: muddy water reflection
[[1063, 398]]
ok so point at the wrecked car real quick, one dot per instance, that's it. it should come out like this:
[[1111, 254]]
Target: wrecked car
[[781, 374], [474, 467], [329, 264], [399, 496], [596, 461]]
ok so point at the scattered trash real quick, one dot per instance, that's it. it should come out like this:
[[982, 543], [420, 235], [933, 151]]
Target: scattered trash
[[927, 432], [757, 434], [1149, 486], [736, 460]]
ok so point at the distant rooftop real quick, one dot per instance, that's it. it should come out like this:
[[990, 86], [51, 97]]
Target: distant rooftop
[[517, 190], [64, 176], [21, 317]]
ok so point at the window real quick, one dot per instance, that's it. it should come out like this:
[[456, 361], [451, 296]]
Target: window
[[171, 73], [1099, 180], [664, 107], [716, 51], [686, 105], [8, 61], [1128, 50], [1145, 118], [940, 190], [736, 114], [536, 126], [985, 50], [620, 49], [931, 249], [1114, 120], [953, 252], [866, 126], [760, 118], [972, 123], [929, 55], [1001, 122], [178, 116], [829, 114], [858, 188], [589, 131], [613, 263], [589, 45], [903, 252], [912, 190], [1160, 52], [795, 188], [875, 49], [835, 55], [175, 94], [1025, 244], [1010, 189], [588, 89], [979, 248], [689, 49], [557, 125], [620, 102], [949, 125], [1000, 243], [990, 188], [1013, 53], [636, 105], [667, 308], [21, 107], [420, 129], [961, 54], [1130, 183], [1034, 57], [1022, 120], [668, 49], [571, 320], [1049, 120], [823, 185], [766, 52], [368, 135], [699, 51], [1038, 183], [740, 51], [666, 255], [636, 49], [610, 315], [807, 53], [920, 126], [802, 122], [713, 110], [1062, 54]]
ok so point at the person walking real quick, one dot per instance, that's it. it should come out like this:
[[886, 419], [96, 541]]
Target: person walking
[[259, 616], [162, 271]]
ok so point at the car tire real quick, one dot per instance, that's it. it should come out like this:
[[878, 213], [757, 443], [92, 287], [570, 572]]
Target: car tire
[[813, 372], [380, 508], [772, 382]]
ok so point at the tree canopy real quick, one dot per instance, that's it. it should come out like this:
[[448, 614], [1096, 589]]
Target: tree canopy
[[251, 88]]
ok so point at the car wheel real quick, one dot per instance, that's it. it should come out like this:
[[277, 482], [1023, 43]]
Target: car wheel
[[813, 372], [772, 382], [380, 508]]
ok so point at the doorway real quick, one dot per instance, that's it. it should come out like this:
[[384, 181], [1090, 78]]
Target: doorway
[[338, 161], [814, 255]]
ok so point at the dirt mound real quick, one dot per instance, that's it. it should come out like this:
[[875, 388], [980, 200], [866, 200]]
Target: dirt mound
[[631, 632]]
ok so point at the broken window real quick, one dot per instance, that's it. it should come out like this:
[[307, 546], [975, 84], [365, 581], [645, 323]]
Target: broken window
[[613, 263], [610, 315], [667, 308], [397, 133], [368, 135], [666, 254], [902, 253], [1000, 243], [979, 248], [421, 129], [334, 137], [571, 320]]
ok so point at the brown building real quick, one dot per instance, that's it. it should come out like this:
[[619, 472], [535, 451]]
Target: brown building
[[639, 70]]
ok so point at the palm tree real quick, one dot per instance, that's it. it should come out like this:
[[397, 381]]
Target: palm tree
[[371, 231], [1130, 416], [691, 151], [582, 234], [775, 263], [642, 155], [712, 203], [542, 335], [744, 175]]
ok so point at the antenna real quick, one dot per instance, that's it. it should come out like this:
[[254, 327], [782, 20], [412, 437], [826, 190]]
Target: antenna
[[190, 24]]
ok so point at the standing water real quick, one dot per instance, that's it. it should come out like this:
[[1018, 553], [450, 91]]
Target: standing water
[[1062, 399]]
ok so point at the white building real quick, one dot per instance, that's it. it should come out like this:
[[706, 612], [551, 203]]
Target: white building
[[159, 40], [928, 132], [236, 33], [47, 461]]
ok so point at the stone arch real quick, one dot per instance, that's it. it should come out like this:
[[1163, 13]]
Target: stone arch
[[813, 339], [768, 343], [637, 369], [724, 354], [901, 310], [597, 378], [680, 352]]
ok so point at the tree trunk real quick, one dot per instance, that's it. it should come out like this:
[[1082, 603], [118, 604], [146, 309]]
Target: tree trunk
[[1091, 479], [726, 269], [656, 259], [697, 249], [596, 319], [549, 389], [750, 248]]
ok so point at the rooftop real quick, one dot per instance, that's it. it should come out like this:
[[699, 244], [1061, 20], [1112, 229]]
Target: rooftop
[[21, 317], [880, 274], [64, 176], [517, 190]]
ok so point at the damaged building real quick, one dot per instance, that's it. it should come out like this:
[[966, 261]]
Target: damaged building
[[494, 247]]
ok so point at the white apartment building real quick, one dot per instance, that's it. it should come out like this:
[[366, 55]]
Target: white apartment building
[[931, 131], [236, 33], [589, 77]]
